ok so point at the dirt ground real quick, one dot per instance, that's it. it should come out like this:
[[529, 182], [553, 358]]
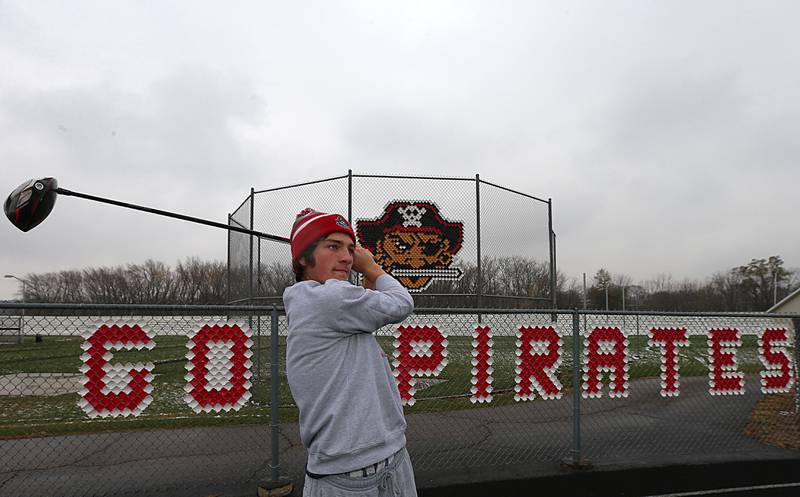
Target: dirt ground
[[776, 421]]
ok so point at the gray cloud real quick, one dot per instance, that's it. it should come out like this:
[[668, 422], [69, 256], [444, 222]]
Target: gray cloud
[[184, 126], [665, 132], [175, 147]]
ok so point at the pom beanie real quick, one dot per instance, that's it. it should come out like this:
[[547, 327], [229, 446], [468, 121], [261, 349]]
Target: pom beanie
[[311, 225]]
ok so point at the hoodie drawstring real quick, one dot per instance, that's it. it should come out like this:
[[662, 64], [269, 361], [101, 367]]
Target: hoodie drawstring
[[388, 484]]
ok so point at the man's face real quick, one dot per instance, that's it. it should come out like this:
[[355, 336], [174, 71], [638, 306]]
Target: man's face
[[413, 250], [333, 258]]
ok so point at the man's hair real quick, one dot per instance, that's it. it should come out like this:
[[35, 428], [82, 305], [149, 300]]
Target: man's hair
[[306, 255]]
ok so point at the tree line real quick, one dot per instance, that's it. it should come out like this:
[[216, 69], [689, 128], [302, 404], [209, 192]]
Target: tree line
[[191, 281], [515, 281], [508, 282], [754, 286]]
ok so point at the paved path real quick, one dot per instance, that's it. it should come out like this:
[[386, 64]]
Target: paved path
[[523, 440], [44, 384]]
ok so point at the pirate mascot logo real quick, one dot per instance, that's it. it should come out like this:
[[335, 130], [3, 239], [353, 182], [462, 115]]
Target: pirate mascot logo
[[413, 242]]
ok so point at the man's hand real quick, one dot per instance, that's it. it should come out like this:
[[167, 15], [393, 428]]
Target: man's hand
[[364, 263]]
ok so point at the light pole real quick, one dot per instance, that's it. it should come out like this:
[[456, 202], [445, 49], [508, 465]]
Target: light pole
[[623, 297], [775, 288], [22, 322]]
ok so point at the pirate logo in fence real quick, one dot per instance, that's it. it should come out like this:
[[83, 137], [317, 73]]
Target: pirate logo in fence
[[413, 242]]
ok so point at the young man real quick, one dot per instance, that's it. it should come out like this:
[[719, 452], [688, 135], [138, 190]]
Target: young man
[[351, 416]]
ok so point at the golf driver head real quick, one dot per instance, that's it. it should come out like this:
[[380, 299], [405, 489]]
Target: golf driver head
[[31, 202]]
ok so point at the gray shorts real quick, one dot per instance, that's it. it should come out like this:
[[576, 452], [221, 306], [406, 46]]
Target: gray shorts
[[395, 480]]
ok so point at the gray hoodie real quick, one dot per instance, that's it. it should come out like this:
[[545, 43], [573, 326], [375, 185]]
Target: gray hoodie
[[351, 415]]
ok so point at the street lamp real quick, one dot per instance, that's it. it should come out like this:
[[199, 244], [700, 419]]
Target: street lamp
[[21, 281], [22, 323]]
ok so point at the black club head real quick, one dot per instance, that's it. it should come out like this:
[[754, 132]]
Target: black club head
[[31, 202]]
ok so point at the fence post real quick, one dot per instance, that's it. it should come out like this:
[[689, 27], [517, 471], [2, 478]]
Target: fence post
[[250, 271], [350, 196], [352, 277], [796, 323], [274, 390], [275, 486], [228, 270], [258, 270], [552, 240], [576, 460], [576, 388], [258, 348], [639, 345], [21, 330], [479, 278]]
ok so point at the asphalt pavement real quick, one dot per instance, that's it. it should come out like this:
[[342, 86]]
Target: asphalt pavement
[[639, 445]]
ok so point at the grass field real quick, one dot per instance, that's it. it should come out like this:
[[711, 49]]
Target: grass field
[[36, 415]]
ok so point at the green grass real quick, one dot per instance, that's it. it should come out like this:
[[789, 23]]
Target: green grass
[[34, 415], [44, 415]]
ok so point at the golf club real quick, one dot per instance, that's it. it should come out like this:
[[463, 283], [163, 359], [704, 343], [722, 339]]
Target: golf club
[[31, 202]]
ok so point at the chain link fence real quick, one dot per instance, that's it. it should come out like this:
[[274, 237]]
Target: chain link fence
[[499, 224], [11, 329], [51, 444], [482, 388]]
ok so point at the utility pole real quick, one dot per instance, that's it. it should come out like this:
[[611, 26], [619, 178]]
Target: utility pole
[[623, 298], [774, 287], [584, 292]]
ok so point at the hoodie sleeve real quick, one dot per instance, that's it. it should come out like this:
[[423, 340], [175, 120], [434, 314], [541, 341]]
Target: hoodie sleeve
[[360, 310]]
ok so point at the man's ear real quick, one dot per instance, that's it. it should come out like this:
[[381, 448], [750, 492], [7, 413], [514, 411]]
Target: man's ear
[[302, 261]]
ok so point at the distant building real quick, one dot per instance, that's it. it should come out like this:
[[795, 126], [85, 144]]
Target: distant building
[[791, 304]]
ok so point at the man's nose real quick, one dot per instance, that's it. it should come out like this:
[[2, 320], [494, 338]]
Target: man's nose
[[346, 256]]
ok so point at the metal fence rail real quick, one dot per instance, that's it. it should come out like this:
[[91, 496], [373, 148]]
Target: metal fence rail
[[505, 393]]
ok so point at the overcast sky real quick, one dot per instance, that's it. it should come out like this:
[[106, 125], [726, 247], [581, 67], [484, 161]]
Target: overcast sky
[[666, 132]]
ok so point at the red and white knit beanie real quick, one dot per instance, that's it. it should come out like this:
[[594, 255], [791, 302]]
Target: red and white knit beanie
[[311, 225]]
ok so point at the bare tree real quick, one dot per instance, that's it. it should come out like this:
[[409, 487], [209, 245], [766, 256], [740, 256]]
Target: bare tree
[[753, 286], [153, 282]]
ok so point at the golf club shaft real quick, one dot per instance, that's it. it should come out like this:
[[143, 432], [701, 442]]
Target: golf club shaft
[[62, 191]]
